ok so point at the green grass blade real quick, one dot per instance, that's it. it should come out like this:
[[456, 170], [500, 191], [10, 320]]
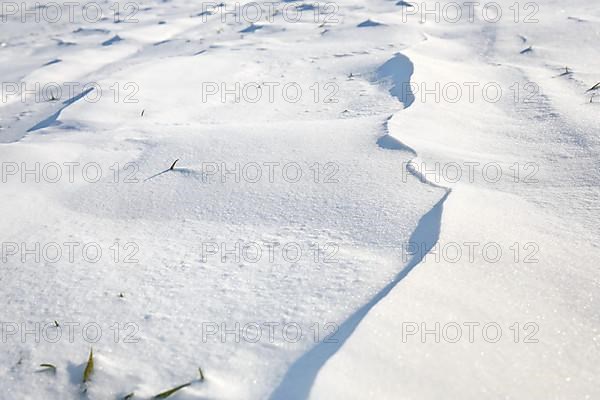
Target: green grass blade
[[166, 394], [49, 367], [89, 368]]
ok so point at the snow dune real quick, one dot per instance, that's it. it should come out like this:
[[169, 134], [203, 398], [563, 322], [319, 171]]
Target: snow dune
[[344, 174]]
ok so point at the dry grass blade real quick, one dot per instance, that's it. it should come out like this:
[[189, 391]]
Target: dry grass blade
[[595, 87]]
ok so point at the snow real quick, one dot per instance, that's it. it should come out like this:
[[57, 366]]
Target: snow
[[331, 144]]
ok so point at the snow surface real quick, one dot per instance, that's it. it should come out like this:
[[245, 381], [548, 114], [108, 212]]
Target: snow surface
[[379, 139]]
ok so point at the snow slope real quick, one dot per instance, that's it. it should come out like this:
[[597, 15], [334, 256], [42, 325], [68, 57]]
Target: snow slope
[[338, 171], [555, 215]]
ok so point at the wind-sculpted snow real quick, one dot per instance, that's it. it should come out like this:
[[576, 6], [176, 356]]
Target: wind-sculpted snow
[[548, 126], [355, 202], [300, 376], [398, 71], [53, 119], [179, 173]]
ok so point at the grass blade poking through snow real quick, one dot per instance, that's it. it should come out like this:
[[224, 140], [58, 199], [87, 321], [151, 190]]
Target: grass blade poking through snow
[[169, 392], [48, 367], [595, 87], [171, 168], [89, 368]]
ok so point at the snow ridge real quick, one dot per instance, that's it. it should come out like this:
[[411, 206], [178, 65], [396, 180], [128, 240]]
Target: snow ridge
[[299, 379]]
